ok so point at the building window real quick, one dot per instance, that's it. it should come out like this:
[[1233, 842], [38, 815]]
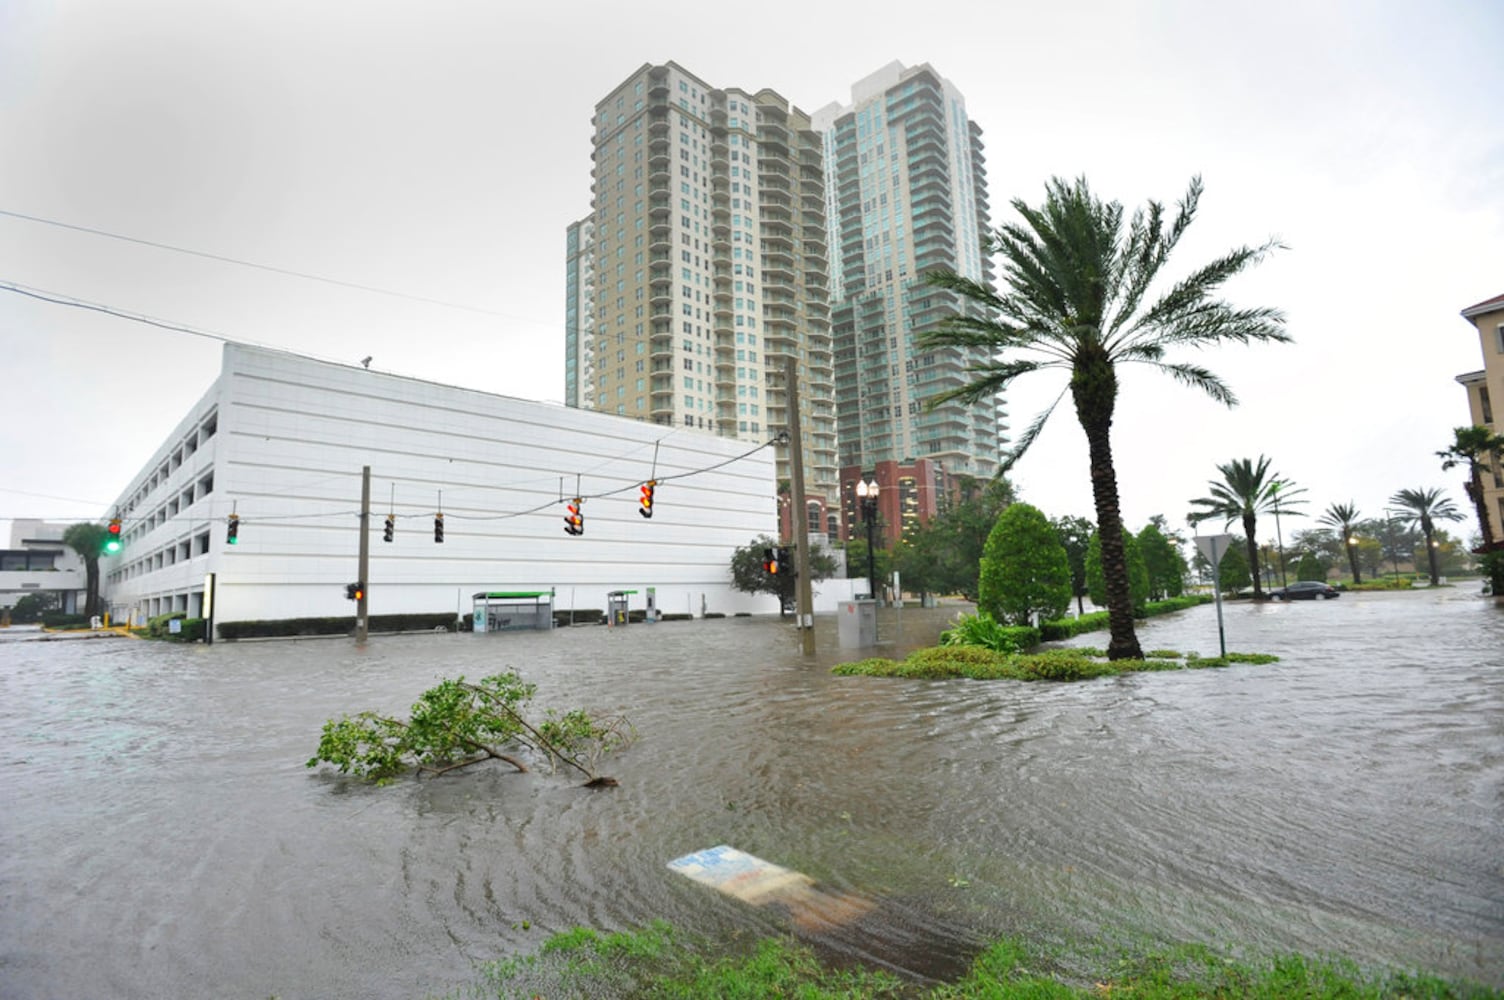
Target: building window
[[1499, 339]]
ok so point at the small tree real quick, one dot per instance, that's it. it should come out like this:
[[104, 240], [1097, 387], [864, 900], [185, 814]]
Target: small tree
[[87, 539], [1138, 573], [1075, 534], [1165, 564], [1311, 567], [749, 576], [1024, 569], [1233, 574]]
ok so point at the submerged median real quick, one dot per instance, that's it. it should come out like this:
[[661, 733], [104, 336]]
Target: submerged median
[[977, 646]]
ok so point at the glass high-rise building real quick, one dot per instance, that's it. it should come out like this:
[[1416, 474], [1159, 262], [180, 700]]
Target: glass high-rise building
[[906, 193], [703, 266]]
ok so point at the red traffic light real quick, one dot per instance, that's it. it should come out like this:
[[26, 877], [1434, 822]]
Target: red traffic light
[[646, 510], [574, 520], [112, 542]]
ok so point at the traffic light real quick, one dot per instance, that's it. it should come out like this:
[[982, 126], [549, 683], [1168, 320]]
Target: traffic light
[[355, 591], [770, 561], [647, 498], [438, 528], [785, 564], [112, 540], [391, 528], [232, 529], [574, 520]]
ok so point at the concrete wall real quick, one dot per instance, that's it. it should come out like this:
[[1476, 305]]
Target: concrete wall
[[291, 435]]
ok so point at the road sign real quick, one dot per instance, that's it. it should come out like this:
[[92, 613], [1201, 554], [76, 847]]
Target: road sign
[[1213, 547]]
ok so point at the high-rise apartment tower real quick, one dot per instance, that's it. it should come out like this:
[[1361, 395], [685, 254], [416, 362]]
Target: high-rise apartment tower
[[702, 266], [906, 193]]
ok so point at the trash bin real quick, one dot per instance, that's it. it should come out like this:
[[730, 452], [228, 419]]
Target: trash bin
[[857, 622]]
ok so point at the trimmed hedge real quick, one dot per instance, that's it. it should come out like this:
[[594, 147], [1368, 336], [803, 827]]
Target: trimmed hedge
[[1065, 628], [159, 627], [342, 625]]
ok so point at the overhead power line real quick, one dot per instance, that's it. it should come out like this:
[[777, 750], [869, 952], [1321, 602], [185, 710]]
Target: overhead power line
[[250, 263], [68, 300]]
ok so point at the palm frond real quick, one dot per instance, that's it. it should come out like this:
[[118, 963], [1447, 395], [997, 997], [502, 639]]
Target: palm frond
[[1192, 375], [990, 378], [1012, 455]]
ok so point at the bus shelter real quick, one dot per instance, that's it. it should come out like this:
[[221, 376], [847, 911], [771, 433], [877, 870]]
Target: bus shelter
[[514, 610]]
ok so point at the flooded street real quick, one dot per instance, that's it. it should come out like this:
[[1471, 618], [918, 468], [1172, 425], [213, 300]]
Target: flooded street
[[162, 838]]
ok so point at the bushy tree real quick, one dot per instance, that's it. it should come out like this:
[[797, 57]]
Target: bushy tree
[[1075, 535], [31, 607], [748, 575], [1311, 567], [1233, 574], [1164, 563], [1024, 569], [952, 543], [1138, 573]]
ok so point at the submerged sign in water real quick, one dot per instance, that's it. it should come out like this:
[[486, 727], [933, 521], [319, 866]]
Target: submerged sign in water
[[758, 882]]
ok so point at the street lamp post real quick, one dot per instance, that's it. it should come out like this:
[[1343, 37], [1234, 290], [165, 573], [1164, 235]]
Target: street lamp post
[[1279, 536], [1352, 557], [867, 493], [1394, 552]]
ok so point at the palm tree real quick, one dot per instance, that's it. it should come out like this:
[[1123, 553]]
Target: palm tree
[[1475, 446], [1344, 517], [1423, 508], [1246, 491], [1077, 283], [87, 539]]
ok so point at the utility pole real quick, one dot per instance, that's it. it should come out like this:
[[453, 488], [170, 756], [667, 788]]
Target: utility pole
[[361, 630], [805, 601]]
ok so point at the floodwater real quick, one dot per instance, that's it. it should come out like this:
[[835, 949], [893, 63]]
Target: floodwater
[[160, 836]]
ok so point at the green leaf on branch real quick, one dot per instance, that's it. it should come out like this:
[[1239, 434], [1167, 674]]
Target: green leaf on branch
[[455, 724]]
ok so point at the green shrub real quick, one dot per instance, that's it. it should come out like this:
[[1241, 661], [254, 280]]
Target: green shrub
[[1065, 628], [56, 619], [1025, 572], [981, 629]]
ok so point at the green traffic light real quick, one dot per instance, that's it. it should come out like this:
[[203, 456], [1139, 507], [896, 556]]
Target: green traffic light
[[112, 546]]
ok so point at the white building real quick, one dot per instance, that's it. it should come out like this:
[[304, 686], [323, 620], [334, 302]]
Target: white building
[[39, 562], [280, 440]]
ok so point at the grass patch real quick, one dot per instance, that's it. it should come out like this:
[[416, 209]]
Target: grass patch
[[978, 663], [659, 963]]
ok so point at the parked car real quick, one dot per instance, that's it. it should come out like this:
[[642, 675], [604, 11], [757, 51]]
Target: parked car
[[1305, 590]]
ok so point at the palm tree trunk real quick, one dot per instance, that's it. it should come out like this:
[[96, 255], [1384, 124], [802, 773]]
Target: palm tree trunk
[[1431, 560], [1474, 490], [1094, 390], [91, 585], [1352, 555], [1249, 523]]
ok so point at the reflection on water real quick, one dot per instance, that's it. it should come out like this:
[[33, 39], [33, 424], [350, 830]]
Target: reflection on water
[[162, 838]]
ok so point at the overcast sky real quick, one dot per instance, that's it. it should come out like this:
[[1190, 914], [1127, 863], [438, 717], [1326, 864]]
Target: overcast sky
[[438, 150]]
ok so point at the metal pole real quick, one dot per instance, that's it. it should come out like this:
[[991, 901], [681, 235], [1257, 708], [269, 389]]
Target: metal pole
[[869, 514], [805, 605], [361, 630], [1279, 536], [1217, 590]]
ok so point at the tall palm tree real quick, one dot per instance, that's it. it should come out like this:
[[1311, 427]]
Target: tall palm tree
[[1423, 508], [87, 539], [1475, 447], [1344, 517], [1246, 491], [1077, 281]]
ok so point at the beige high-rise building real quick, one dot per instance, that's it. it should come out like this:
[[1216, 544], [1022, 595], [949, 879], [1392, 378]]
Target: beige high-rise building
[[702, 267], [1485, 391]]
